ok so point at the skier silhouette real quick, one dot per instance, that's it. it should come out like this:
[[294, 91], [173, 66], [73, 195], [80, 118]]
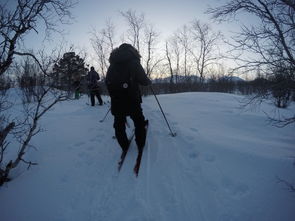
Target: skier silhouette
[[123, 78], [93, 78]]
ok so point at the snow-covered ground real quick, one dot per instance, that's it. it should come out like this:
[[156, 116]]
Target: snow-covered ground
[[224, 164]]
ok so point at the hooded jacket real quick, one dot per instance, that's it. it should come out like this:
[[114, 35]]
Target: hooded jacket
[[123, 78]]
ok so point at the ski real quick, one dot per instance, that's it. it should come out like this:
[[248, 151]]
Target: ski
[[124, 153], [139, 156]]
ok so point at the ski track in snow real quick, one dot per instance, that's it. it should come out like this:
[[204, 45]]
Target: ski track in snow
[[170, 194], [188, 177]]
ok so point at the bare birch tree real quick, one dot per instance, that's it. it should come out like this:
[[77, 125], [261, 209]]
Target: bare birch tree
[[109, 33], [103, 43], [136, 25], [26, 126], [270, 41], [176, 52], [183, 37], [204, 47], [25, 17], [150, 40], [15, 23], [169, 59], [99, 45]]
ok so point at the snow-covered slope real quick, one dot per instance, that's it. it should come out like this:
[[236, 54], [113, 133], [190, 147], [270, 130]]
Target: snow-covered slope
[[224, 164]]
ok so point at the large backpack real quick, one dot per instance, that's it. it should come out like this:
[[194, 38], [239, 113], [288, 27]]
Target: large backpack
[[119, 81], [123, 90]]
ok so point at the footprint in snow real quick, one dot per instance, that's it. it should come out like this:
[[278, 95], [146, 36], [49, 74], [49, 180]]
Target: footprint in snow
[[189, 137], [236, 189], [93, 139], [193, 155], [194, 129], [210, 158], [79, 144], [64, 179], [84, 159], [90, 148]]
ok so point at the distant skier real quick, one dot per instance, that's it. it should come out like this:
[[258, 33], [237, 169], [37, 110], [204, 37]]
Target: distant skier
[[123, 78], [93, 86]]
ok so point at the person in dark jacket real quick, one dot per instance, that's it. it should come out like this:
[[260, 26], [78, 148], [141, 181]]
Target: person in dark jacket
[[93, 86], [123, 78]]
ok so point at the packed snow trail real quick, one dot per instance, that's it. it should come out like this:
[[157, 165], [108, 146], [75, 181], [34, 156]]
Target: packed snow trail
[[222, 165]]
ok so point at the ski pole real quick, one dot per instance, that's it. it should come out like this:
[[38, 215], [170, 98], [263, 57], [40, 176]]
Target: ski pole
[[102, 120], [171, 133]]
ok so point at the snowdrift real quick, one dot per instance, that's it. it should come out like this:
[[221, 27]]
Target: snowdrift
[[224, 164]]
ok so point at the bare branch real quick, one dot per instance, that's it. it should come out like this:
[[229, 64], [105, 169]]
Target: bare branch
[[17, 22], [136, 24]]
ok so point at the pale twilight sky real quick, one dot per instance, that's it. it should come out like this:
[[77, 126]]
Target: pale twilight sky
[[166, 16]]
